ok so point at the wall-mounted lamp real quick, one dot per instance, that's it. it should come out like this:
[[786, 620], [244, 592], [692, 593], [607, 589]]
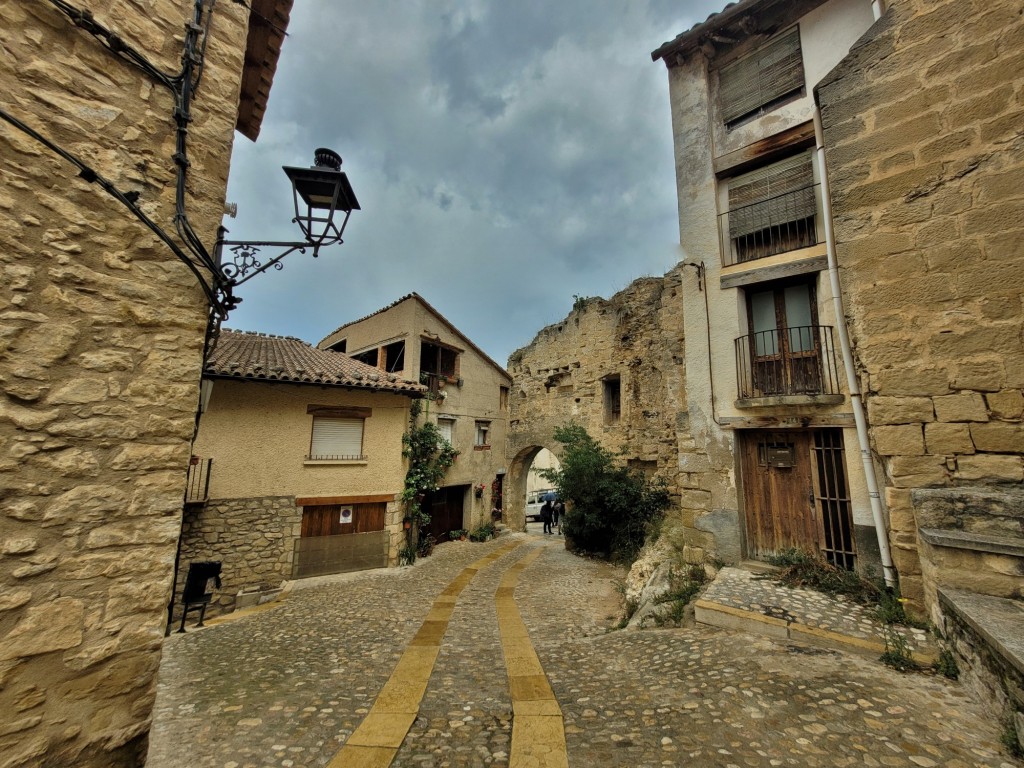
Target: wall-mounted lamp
[[319, 192]]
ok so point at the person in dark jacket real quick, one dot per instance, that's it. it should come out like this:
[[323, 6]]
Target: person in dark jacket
[[545, 516]]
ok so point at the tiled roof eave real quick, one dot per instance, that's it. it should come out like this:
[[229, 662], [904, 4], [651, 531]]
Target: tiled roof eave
[[413, 391]]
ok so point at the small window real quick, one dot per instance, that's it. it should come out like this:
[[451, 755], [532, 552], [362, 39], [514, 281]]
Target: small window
[[369, 357], [612, 400], [447, 429], [336, 439], [339, 346], [772, 210], [394, 357], [503, 398], [760, 81], [483, 429]]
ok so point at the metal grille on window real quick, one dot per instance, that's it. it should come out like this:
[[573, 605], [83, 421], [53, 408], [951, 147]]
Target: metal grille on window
[[833, 499], [765, 76], [336, 439], [772, 210]]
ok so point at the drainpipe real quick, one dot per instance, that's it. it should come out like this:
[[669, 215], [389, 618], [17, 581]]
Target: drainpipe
[[853, 382], [877, 8]]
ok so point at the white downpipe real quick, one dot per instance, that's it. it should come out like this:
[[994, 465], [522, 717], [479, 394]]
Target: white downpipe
[[877, 8], [853, 382]]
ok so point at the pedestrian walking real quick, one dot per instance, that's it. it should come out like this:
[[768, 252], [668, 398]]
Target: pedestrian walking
[[557, 513], [546, 515]]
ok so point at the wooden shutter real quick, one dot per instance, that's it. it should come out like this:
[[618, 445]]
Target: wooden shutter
[[335, 438], [777, 194], [769, 73]]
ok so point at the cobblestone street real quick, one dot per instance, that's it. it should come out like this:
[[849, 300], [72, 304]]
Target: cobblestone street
[[289, 686]]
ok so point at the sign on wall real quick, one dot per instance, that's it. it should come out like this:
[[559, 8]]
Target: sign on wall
[[345, 515]]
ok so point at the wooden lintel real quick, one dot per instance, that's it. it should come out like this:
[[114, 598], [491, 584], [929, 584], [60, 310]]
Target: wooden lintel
[[774, 272], [786, 422], [766, 150], [315, 501]]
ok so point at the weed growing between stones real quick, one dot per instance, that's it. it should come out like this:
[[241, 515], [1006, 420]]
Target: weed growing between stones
[[897, 652], [679, 596], [1010, 739], [946, 665]]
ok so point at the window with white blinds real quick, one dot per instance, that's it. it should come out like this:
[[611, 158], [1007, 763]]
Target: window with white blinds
[[447, 428], [768, 74], [336, 439]]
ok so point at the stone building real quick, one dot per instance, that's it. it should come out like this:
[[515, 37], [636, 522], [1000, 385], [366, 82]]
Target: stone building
[[103, 333], [616, 368], [468, 401], [771, 416], [850, 205], [297, 467]]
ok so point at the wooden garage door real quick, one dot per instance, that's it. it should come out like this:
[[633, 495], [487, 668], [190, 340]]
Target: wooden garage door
[[337, 538]]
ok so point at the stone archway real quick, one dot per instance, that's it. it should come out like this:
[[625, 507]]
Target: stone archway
[[515, 483]]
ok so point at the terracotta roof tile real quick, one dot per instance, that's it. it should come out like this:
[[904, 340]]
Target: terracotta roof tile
[[264, 357]]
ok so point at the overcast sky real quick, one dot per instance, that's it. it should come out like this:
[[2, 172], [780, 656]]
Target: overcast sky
[[506, 155]]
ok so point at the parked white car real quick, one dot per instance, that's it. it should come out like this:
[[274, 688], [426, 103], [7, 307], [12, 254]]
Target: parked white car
[[534, 502]]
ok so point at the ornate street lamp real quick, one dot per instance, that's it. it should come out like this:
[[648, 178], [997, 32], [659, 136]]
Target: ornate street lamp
[[319, 192]]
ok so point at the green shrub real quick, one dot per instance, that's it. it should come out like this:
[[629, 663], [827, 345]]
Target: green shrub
[[483, 533], [610, 509]]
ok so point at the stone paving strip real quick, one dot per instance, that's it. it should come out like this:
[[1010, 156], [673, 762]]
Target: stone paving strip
[[375, 742], [740, 599], [538, 733]]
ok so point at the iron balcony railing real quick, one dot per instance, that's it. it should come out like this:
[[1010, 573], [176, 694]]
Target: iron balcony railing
[[767, 227], [197, 485], [787, 361]]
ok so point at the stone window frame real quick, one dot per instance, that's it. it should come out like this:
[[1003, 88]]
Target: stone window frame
[[611, 390], [481, 440]]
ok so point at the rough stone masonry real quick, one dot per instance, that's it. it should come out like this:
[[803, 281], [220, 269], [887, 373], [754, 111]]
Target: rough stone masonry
[[101, 337]]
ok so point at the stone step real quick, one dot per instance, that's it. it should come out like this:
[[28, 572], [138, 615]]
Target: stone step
[[978, 542]]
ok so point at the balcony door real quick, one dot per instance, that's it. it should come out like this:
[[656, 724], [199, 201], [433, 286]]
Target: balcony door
[[785, 346]]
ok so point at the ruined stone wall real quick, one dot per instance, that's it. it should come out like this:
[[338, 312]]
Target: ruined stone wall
[[559, 377], [922, 127], [101, 335]]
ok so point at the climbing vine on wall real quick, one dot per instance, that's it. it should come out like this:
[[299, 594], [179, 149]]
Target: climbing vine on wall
[[430, 457]]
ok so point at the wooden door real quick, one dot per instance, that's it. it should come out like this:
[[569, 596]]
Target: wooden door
[[778, 492], [446, 510]]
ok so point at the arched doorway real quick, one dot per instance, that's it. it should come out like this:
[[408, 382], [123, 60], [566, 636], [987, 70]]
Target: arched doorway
[[521, 481]]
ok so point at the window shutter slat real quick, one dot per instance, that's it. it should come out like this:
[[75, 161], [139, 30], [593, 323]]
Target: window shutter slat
[[762, 77], [336, 438], [776, 194]]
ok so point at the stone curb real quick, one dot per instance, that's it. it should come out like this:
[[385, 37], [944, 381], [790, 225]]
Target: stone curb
[[728, 617]]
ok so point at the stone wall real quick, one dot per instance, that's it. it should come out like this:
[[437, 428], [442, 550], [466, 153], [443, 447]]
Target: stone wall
[[922, 126], [560, 377], [253, 539], [101, 335]]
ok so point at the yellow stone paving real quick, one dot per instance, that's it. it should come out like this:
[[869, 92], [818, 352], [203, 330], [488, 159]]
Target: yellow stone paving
[[538, 730], [375, 742]]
